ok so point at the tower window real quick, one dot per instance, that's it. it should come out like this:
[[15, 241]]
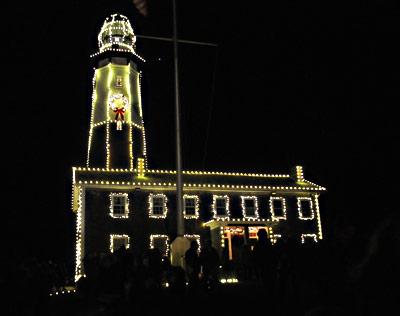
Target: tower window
[[118, 81], [221, 206], [119, 205], [277, 207], [157, 205], [118, 241], [249, 206], [305, 208], [191, 206]]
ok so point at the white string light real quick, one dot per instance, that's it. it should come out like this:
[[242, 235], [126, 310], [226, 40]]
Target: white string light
[[271, 207], [226, 207], [125, 198], [300, 211], [166, 241], [308, 236], [125, 240], [151, 205], [244, 210], [196, 206]]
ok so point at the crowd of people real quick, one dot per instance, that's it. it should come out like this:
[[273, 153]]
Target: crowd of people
[[329, 278]]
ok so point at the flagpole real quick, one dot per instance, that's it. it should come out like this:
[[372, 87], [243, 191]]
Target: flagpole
[[179, 191]]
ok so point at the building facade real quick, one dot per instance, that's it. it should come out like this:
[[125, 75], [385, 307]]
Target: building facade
[[119, 200]]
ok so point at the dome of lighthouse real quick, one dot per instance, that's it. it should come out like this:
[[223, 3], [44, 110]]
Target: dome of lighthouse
[[117, 34]]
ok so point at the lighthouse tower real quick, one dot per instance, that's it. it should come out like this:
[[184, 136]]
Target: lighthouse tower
[[116, 134]]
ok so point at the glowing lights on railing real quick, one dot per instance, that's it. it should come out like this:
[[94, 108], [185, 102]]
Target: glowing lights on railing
[[123, 200], [272, 208], [300, 211], [224, 206], [246, 209], [152, 206], [118, 50], [186, 198], [116, 30]]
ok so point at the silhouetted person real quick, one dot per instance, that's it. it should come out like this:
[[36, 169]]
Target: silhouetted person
[[193, 266], [210, 262], [155, 262], [286, 251], [246, 263], [262, 254]]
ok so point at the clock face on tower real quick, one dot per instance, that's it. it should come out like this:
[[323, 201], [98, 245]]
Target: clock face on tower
[[118, 103]]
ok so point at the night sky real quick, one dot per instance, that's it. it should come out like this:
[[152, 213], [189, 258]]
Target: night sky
[[291, 82]]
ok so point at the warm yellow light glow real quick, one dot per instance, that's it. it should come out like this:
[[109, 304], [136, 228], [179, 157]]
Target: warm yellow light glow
[[140, 167], [299, 174]]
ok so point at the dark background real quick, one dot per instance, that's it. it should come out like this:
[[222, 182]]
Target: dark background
[[291, 82]]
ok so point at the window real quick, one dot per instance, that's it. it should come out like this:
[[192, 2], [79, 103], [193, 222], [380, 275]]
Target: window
[[119, 205], [191, 206], [157, 205], [277, 207], [118, 82], [118, 241], [249, 206], [308, 238], [221, 206], [194, 237], [305, 208], [160, 242]]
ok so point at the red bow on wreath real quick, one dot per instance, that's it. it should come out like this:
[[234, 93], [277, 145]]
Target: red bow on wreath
[[119, 112]]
